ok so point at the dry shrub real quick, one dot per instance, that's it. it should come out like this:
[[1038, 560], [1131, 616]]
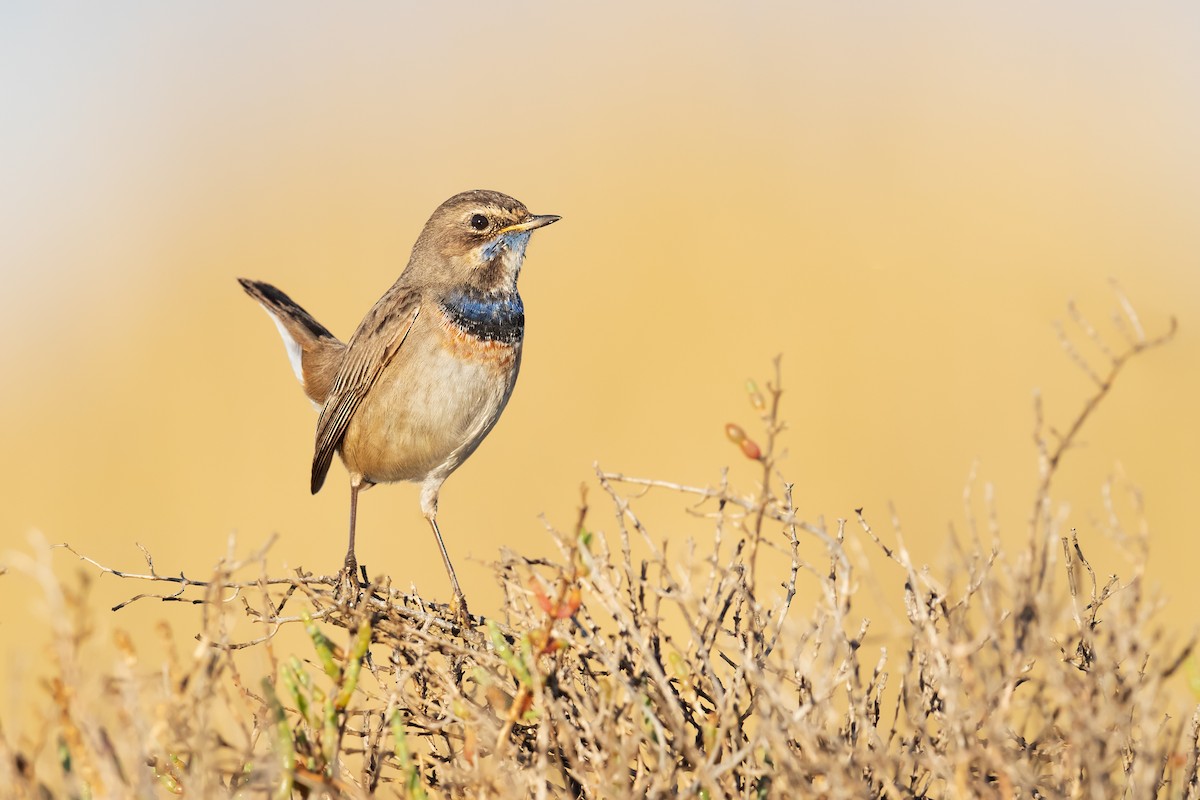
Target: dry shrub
[[621, 671]]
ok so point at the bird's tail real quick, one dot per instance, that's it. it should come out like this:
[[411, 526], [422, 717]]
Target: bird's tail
[[315, 353]]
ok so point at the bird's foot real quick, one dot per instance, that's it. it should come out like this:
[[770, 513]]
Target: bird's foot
[[458, 608], [348, 583]]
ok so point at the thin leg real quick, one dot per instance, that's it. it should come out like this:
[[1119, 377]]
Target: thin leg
[[351, 569], [460, 600]]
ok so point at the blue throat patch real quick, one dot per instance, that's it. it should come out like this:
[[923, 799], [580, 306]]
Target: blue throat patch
[[492, 319]]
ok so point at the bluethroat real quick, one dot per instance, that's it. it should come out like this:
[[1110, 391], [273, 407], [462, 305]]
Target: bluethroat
[[430, 368]]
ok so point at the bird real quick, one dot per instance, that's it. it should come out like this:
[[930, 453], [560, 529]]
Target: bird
[[427, 373]]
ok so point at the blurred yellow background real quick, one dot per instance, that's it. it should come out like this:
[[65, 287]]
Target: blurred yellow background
[[900, 198]]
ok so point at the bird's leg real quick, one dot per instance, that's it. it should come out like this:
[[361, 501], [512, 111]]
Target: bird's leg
[[429, 504], [349, 576], [459, 605]]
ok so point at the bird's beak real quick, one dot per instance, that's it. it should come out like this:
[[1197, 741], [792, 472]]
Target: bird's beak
[[536, 221]]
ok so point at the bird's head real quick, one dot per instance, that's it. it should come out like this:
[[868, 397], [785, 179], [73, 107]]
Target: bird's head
[[475, 240]]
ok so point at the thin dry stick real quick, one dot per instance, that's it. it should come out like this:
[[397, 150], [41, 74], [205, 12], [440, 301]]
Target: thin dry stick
[[774, 427], [546, 634], [1050, 458]]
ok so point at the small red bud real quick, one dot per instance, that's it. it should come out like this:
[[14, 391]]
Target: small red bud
[[735, 433], [750, 449]]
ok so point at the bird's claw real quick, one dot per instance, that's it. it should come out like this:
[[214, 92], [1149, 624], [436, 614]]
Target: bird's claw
[[347, 580], [458, 609]]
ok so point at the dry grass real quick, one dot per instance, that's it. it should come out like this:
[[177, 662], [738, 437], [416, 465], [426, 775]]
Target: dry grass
[[622, 670]]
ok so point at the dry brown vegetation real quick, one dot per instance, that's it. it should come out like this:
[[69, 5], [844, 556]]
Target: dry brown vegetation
[[624, 668]]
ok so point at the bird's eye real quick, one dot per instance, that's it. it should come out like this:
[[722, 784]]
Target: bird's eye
[[479, 222]]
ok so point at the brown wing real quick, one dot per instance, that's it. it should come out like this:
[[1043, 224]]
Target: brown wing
[[375, 343]]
